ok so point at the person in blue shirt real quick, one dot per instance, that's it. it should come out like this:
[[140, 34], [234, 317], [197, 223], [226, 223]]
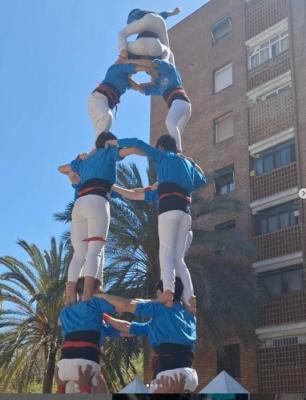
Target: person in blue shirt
[[177, 178], [167, 83], [83, 333], [152, 40], [91, 213], [107, 95], [170, 328], [150, 195]]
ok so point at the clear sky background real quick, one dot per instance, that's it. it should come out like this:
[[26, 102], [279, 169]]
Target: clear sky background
[[52, 54]]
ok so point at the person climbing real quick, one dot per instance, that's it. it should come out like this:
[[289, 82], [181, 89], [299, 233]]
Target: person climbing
[[167, 82], [171, 330], [152, 40], [150, 195], [107, 95], [177, 178], [91, 213]]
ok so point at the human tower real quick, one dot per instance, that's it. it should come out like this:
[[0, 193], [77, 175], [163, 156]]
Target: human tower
[[170, 322]]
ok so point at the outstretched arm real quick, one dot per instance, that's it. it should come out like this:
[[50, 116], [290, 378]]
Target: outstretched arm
[[131, 194], [120, 303], [119, 324], [65, 169]]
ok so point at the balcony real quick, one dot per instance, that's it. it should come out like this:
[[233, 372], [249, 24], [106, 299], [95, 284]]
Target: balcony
[[276, 181], [271, 116], [281, 369], [269, 70], [280, 243], [283, 309], [261, 14]]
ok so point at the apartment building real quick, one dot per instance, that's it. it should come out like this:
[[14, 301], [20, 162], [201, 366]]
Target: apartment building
[[243, 64]]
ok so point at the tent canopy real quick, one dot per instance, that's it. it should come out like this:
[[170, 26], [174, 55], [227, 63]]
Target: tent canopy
[[223, 383], [136, 386]]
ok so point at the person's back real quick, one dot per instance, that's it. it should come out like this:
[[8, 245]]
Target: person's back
[[83, 333], [100, 164]]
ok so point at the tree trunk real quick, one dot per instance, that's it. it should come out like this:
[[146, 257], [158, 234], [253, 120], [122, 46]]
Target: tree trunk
[[48, 378], [147, 361]]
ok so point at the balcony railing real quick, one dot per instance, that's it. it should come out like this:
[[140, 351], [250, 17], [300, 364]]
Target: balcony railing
[[271, 116], [261, 14], [283, 309], [276, 181], [280, 243], [269, 70]]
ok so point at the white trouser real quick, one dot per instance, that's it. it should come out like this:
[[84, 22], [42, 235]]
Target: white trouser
[[89, 229], [68, 370], [99, 112], [174, 229], [150, 22], [149, 47], [178, 116], [191, 375]]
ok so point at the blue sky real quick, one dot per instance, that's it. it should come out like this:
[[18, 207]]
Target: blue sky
[[53, 52]]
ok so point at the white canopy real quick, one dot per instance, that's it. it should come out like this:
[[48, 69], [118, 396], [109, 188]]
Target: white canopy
[[223, 383], [136, 386]]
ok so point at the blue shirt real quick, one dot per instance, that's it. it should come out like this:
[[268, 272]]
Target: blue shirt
[[98, 165], [118, 76], [170, 167], [166, 325], [168, 77], [151, 196], [87, 316]]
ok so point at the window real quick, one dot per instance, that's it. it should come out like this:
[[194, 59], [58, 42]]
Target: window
[[276, 218], [283, 281], [224, 128], [223, 78], [221, 28], [229, 360], [275, 157], [224, 181], [275, 92], [269, 49], [226, 226]]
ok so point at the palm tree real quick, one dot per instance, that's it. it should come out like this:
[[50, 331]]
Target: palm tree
[[33, 293]]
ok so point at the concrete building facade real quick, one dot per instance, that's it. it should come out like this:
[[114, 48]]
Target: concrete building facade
[[243, 64]]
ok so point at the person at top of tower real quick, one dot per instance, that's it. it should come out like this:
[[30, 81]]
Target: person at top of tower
[[167, 83], [171, 330], [177, 178], [152, 40], [107, 94], [83, 332], [91, 213]]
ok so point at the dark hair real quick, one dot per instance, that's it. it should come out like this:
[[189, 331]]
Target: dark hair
[[178, 291], [167, 142], [80, 285], [138, 14], [104, 137]]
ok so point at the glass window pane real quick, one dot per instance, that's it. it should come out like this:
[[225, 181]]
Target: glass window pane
[[273, 223], [223, 78], [282, 157], [263, 226], [273, 284], [264, 55], [268, 162], [275, 49], [254, 61], [274, 39], [284, 220], [224, 128], [285, 44], [258, 166], [292, 281]]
